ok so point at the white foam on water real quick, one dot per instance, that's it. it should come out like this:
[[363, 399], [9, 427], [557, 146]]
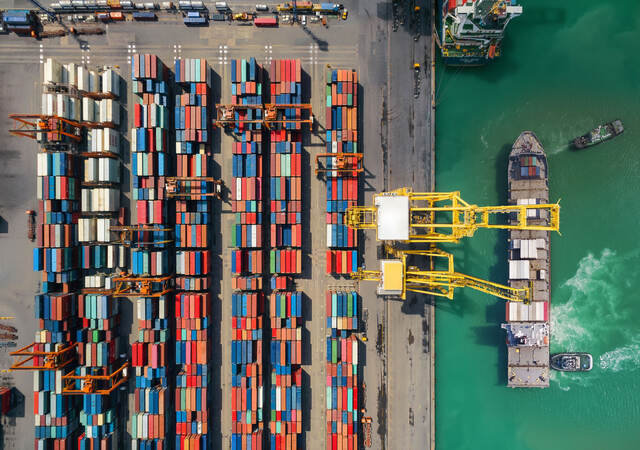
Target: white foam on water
[[623, 358], [600, 316], [556, 149]]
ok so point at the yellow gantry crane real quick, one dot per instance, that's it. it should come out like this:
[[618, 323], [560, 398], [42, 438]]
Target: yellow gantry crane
[[433, 217], [395, 278]]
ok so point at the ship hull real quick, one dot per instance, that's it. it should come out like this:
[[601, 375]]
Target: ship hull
[[529, 257]]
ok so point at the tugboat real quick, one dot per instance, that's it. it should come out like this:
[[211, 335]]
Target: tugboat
[[572, 362], [600, 134]]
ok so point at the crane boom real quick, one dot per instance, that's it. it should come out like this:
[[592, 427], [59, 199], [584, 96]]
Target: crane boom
[[403, 215], [395, 277]]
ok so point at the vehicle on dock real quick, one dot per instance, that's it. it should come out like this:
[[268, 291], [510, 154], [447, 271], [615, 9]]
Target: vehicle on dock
[[572, 362], [31, 224], [599, 134]]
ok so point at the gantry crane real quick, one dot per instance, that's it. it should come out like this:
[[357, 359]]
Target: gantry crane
[[395, 278], [134, 286], [407, 216], [225, 115], [43, 360], [47, 130], [135, 235], [341, 163], [182, 188], [96, 382]]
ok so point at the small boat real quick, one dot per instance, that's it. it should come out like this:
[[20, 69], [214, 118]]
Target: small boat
[[600, 134], [572, 362]]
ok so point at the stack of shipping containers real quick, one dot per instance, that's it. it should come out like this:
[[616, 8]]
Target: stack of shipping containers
[[99, 344], [342, 187], [152, 414], [285, 185], [285, 306], [285, 313], [247, 394], [56, 255], [193, 258], [342, 370], [342, 258]]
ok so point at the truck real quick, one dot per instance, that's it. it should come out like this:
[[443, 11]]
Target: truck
[[266, 21], [327, 8], [195, 18], [243, 16], [300, 6], [144, 15], [20, 21]]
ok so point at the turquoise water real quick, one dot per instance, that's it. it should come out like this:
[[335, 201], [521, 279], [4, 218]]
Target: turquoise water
[[566, 67]]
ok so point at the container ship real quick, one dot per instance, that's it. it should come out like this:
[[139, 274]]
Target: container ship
[[527, 325], [471, 31]]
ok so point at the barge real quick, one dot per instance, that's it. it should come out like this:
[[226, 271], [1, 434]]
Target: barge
[[527, 325]]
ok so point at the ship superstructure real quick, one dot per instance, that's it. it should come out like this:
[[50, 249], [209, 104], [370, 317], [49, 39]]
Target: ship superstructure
[[471, 31]]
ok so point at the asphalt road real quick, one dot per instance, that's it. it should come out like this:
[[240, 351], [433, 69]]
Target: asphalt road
[[395, 136]]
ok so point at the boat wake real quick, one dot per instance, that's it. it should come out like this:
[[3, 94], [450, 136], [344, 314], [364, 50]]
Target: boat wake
[[622, 359], [596, 311]]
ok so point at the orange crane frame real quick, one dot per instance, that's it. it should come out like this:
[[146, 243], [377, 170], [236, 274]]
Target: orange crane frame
[[127, 231], [52, 360], [132, 286], [27, 128], [224, 115], [343, 163], [90, 382], [173, 187]]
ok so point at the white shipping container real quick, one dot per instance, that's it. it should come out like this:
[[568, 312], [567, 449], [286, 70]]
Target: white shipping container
[[122, 256], [38, 383], [72, 74], [58, 384], [42, 164], [52, 71], [99, 138], [94, 81], [134, 140], [88, 110], [518, 269], [63, 106], [111, 82], [104, 229], [111, 141], [109, 111], [91, 170], [83, 79], [354, 352], [64, 74], [75, 106]]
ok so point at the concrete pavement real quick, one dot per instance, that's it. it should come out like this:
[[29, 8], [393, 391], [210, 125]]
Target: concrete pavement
[[396, 140]]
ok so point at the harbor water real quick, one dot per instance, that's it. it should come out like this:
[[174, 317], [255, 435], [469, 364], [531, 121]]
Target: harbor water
[[565, 68]]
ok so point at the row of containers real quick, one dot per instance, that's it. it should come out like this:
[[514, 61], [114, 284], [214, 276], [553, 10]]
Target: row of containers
[[77, 195], [99, 344], [342, 385], [285, 256], [341, 119], [248, 301], [193, 236], [152, 417]]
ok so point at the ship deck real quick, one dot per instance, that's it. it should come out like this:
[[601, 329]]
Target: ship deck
[[528, 362]]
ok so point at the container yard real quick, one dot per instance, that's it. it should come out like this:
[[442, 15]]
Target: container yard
[[192, 259]]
